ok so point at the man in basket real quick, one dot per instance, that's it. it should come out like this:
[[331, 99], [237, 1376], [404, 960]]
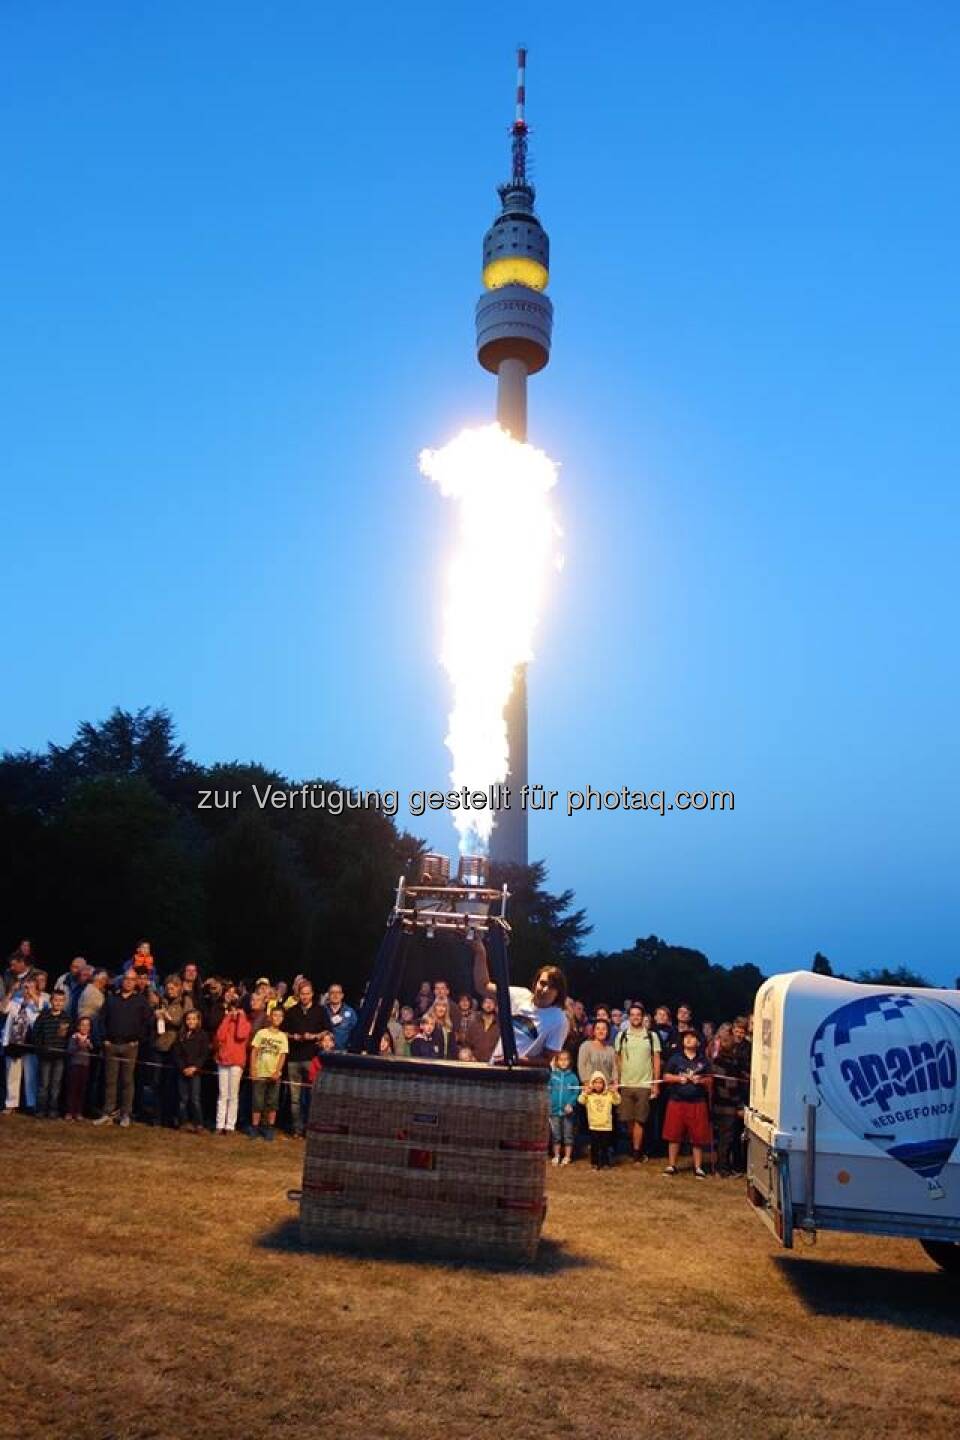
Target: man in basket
[[539, 1014]]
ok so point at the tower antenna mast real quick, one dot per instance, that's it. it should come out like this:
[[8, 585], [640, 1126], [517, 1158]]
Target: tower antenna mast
[[519, 129]]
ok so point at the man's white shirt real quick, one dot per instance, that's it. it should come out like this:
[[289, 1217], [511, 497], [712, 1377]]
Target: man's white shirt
[[537, 1028]]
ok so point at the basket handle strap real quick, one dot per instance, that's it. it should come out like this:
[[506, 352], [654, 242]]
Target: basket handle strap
[[500, 975]]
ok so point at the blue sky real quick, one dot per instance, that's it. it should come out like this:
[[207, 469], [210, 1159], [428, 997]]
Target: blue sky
[[241, 250]]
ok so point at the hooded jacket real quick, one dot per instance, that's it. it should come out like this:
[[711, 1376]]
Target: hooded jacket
[[564, 1089], [599, 1104]]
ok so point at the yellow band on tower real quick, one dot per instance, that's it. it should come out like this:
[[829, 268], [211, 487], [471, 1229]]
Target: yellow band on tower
[[515, 270]]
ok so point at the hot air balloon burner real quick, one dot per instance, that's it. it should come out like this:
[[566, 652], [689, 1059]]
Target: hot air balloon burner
[[434, 869], [472, 870], [436, 905]]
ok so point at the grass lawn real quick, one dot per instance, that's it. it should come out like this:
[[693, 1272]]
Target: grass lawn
[[153, 1286]]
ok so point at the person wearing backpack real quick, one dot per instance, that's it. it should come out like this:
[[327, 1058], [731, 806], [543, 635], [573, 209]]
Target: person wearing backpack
[[638, 1076]]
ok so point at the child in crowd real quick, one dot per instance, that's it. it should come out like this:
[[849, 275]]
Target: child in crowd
[[327, 1043], [462, 1018], [268, 1053], [465, 1053], [688, 1079], [409, 1030], [51, 1030], [564, 1094], [443, 1033], [189, 1055], [426, 1045], [79, 1054], [599, 1099]]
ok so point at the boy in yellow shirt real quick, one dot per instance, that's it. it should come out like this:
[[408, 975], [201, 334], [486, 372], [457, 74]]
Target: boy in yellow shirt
[[599, 1099], [268, 1053]]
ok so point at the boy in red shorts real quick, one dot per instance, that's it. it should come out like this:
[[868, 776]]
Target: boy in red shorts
[[687, 1079]]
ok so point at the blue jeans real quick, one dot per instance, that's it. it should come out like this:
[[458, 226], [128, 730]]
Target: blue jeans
[[51, 1081], [165, 1087], [562, 1129], [189, 1089], [297, 1079]]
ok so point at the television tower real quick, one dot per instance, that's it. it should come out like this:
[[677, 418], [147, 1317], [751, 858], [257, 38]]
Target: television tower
[[514, 325]]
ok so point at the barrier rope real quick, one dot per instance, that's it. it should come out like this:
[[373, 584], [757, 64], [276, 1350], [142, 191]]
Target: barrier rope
[[102, 1054], [136, 1061]]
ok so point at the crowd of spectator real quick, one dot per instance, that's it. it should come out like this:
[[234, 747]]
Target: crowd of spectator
[[220, 1055]]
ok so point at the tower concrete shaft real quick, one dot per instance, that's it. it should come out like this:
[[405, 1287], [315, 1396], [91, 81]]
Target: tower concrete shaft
[[509, 840], [514, 330]]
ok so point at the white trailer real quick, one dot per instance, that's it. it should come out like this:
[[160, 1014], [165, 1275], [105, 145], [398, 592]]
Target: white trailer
[[854, 1113]]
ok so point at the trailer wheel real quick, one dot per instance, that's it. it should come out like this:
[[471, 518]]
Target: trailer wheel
[[945, 1253]]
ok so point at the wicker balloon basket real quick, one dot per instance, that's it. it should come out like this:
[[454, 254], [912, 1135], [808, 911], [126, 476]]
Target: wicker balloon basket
[[445, 1157]]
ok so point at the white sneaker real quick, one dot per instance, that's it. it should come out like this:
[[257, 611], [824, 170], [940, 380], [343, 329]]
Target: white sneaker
[[124, 1122], [565, 1160], [103, 1120], [555, 1160]]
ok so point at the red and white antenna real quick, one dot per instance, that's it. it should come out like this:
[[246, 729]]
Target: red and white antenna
[[521, 86], [519, 128]]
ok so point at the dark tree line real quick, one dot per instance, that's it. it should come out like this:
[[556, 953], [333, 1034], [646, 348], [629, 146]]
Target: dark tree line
[[107, 844], [902, 975], [661, 974], [104, 844]]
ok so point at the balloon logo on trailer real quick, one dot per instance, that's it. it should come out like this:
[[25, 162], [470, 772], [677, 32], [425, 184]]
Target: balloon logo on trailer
[[887, 1067]]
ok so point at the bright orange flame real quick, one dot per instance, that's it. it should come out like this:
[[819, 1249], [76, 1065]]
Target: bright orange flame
[[495, 585]]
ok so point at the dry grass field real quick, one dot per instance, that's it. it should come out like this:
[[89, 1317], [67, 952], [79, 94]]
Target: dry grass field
[[153, 1287]]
